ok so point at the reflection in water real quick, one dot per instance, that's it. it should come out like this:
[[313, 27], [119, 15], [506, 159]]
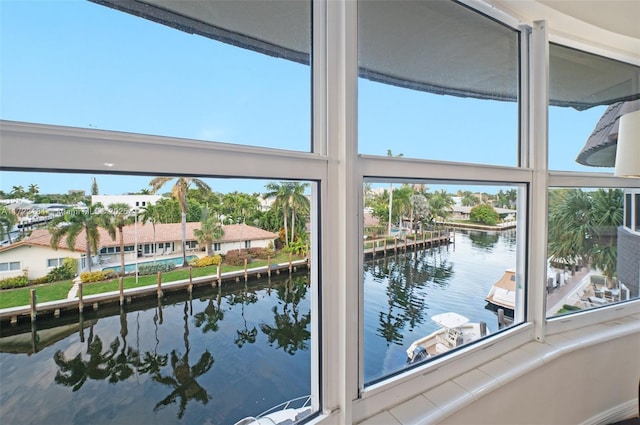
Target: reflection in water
[[153, 369], [408, 277], [403, 291], [290, 331], [483, 240], [183, 377]]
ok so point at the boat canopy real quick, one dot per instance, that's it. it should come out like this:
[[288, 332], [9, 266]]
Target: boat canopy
[[450, 320]]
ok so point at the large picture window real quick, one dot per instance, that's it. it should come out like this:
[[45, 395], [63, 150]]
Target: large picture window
[[440, 270]]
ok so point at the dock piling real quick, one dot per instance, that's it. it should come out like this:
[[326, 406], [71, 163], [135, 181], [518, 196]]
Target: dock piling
[[32, 302]]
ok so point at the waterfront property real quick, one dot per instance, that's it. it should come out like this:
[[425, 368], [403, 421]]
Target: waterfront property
[[35, 254]]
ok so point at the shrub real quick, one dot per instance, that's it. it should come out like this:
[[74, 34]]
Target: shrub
[[206, 261], [88, 277], [261, 253], [147, 269], [40, 280], [64, 272], [236, 257], [484, 213], [14, 282]]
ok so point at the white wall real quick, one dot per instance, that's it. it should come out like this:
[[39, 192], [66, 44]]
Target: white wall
[[580, 387], [34, 259]]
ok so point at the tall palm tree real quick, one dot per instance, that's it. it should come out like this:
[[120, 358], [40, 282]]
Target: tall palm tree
[[120, 216], [77, 220], [151, 213], [299, 204], [440, 204], [210, 231], [179, 191], [282, 194], [8, 219]]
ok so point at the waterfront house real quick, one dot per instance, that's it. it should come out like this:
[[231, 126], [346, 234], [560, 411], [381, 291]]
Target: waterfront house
[[35, 254]]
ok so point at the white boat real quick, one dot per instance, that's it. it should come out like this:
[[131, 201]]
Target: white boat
[[287, 413], [455, 330], [503, 292]]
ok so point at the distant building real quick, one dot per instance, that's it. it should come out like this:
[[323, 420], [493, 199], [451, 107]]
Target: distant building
[[134, 201]]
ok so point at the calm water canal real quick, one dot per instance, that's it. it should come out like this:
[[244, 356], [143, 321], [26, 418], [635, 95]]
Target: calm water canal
[[231, 353]]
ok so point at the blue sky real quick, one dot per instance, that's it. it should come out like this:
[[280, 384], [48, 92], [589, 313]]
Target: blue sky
[[79, 64]]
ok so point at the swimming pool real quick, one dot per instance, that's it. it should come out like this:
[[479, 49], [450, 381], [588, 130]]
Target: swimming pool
[[128, 268]]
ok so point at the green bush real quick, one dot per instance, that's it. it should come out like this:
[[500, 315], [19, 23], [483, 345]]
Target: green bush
[[147, 269], [40, 280], [64, 272], [261, 253], [88, 277], [14, 282], [236, 257], [212, 260], [485, 214]]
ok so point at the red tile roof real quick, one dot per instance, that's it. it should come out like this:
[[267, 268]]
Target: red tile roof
[[169, 232]]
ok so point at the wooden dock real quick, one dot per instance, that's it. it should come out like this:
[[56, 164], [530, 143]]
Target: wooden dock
[[381, 247], [125, 296]]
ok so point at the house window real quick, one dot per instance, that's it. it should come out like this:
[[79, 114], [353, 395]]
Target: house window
[[10, 266], [216, 246], [247, 244], [54, 262]]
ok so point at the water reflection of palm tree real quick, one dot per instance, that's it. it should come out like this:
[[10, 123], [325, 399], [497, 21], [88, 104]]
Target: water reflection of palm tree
[[483, 240], [75, 372], [245, 335], [290, 331], [184, 376], [211, 315]]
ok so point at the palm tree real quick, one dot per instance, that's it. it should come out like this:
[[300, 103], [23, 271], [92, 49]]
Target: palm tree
[[33, 191], [8, 219], [282, 194], [151, 213], [179, 191], [18, 191], [210, 231], [75, 221], [389, 153], [120, 216], [299, 204], [440, 204], [469, 199]]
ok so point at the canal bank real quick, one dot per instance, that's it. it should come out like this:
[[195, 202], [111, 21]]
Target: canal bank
[[78, 302]]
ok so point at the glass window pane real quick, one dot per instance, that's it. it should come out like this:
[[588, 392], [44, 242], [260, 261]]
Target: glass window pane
[[437, 81], [81, 64], [636, 208], [204, 344], [4, 267], [441, 271], [588, 93], [593, 259]]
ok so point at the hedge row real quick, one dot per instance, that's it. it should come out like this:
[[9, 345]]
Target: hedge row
[[14, 282], [212, 260]]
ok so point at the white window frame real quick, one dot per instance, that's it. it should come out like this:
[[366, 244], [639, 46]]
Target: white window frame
[[9, 269], [338, 173]]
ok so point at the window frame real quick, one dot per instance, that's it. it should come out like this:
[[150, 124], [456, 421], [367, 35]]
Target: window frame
[[338, 173]]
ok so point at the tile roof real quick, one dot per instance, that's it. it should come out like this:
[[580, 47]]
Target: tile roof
[[600, 148], [168, 232]]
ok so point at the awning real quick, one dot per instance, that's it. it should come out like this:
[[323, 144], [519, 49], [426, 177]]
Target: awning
[[436, 46]]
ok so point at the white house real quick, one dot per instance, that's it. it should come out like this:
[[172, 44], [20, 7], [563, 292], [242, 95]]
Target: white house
[[134, 201], [35, 254]]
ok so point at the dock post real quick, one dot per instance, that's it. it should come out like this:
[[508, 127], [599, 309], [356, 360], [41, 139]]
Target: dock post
[[246, 277], [32, 301], [80, 298], [290, 258], [219, 276], [121, 288], [500, 318], [268, 266], [395, 246], [159, 285], [190, 286]]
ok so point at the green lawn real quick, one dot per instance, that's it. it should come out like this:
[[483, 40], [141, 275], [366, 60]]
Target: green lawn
[[20, 296], [59, 290]]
